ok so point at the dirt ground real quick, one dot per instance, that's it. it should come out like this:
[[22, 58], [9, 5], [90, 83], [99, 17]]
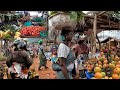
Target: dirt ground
[[44, 73]]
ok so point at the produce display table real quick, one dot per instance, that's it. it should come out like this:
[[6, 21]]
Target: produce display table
[[30, 36]]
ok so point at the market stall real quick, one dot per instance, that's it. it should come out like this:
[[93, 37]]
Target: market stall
[[11, 29]]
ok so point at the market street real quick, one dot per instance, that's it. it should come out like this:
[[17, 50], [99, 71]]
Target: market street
[[45, 73]]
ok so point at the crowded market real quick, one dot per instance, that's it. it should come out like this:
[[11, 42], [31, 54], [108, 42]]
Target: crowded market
[[59, 45]]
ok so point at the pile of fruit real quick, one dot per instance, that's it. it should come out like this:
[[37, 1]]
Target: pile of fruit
[[17, 35], [32, 30], [9, 32], [5, 34], [104, 68]]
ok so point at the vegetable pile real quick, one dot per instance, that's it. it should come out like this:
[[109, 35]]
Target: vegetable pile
[[32, 30]]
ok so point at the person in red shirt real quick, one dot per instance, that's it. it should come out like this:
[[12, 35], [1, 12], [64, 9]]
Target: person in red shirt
[[81, 49], [81, 52]]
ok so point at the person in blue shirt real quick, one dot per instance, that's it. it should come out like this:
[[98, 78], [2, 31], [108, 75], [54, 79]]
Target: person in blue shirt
[[54, 57]]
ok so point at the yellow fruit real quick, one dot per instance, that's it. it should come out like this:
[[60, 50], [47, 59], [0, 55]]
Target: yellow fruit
[[105, 65], [112, 66], [16, 37], [106, 77], [7, 32], [96, 65], [105, 61], [97, 69], [1, 34], [113, 62], [17, 33], [110, 77], [100, 66]]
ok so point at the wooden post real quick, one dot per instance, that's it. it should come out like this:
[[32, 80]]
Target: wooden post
[[98, 41], [94, 31], [91, 45]]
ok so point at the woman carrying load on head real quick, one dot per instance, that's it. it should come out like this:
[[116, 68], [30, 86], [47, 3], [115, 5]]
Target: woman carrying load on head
[[65, 63]]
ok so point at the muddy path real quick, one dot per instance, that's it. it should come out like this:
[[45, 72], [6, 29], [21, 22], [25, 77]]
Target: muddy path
[[44, 73]]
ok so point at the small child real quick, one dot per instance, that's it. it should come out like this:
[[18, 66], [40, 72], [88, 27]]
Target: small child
[[54, 57]]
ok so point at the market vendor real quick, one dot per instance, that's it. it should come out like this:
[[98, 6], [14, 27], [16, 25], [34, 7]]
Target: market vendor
[[81, 53], [81, 50], [26, 20]]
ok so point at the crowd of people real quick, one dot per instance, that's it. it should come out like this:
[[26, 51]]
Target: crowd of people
[[65, 56]]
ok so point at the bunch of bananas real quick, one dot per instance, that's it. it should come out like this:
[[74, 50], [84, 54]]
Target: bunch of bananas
[[1, 34], [17, 35], [5, 35]]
